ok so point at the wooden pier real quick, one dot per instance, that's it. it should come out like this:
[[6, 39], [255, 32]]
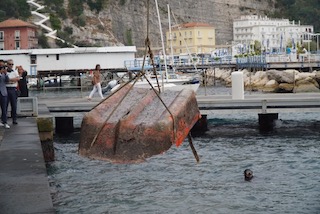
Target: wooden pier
[[267, 106], [262, 103], [209, 104]]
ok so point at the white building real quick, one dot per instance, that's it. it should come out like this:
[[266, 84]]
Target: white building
[[274, 35], [68, 59]]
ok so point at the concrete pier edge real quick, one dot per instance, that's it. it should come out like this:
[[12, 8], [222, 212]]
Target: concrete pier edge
[[24, 185]]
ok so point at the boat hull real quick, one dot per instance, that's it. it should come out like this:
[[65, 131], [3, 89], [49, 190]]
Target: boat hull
[[133, 124]]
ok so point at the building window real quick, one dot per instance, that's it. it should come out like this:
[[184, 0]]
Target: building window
[[1, 35], [33, 59], [17, 34], [31, 34], [1, 45], [17, 45]]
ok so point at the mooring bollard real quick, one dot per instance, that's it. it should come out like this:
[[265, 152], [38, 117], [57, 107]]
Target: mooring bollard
[[45, 128], [237, 85]]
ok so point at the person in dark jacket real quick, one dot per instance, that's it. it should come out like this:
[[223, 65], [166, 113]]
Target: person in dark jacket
[[3, 95], [22, 83]]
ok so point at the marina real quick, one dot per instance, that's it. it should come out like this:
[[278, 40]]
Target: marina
[[126, 151], [216, 148]]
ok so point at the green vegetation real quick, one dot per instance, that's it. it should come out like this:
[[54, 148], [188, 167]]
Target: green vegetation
[[75, 7], [55, 22], [129, 37], [95, 5], [307, 11], [14, 9], [122, 2], [42, 41]]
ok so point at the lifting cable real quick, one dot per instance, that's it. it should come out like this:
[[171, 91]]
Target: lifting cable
[[134, 80]]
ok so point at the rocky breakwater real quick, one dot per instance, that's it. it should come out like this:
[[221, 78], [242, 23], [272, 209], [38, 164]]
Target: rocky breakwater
[[278, 81]]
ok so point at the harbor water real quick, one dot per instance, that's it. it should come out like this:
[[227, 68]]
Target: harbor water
[[285, 163]]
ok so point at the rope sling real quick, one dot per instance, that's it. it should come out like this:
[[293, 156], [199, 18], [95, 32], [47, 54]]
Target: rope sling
[[147, 51]]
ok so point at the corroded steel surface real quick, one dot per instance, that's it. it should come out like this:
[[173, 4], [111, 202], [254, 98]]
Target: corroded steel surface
[[138, 127]]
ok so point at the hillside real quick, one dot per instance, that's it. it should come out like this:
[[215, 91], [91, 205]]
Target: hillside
[[123, 22]]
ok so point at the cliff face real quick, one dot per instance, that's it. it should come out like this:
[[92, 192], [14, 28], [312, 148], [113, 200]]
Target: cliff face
[[126, 23]]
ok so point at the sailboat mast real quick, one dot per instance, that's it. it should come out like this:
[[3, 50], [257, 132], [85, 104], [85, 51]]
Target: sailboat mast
[[170, 35], [162, 42]]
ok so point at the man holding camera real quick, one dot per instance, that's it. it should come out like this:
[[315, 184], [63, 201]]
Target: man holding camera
[[3, 94]]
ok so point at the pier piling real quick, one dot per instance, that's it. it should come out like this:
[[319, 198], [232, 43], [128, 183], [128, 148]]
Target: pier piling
[[266, 121], [64, 125]]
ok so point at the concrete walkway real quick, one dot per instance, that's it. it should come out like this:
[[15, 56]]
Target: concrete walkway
[[24, 186]]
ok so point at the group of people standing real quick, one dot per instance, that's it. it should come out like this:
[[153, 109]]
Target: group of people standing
[[13, 83]]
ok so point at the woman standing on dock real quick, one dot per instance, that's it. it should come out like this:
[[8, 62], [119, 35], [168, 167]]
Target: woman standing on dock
[[22, 83], [96, 82]]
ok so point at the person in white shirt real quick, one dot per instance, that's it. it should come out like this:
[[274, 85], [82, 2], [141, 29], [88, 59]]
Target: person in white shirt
[[14, 77]]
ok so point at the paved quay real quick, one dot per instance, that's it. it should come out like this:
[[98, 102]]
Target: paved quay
[[24, 186]]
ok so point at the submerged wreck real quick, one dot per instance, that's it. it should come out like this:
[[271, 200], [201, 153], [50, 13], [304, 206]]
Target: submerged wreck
[[135, 123]]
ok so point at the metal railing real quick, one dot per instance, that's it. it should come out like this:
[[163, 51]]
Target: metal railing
[[81, 84]]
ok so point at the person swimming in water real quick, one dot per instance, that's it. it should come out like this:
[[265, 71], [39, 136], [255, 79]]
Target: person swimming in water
[[248, 175]]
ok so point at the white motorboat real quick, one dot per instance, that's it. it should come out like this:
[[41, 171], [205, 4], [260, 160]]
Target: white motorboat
[[177, 83]]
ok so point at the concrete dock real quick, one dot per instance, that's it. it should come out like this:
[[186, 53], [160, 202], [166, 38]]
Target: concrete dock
[[24, 186]]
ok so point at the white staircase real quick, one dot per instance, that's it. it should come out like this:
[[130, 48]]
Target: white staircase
[[51, 33]]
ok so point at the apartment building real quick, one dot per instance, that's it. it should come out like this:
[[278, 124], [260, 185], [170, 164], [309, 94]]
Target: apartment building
[[16, 34], [274, 35], [193, 38]]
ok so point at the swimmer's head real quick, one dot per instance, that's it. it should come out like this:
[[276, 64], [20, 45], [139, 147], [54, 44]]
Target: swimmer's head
[[248, 174]]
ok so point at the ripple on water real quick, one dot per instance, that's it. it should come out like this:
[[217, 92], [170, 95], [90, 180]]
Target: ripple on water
[[285, 163]]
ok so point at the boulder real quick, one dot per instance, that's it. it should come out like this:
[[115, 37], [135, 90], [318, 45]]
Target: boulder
[[281, 76], [271, 86], [317, 76], [306, 85], [305, 75], [285, 87]]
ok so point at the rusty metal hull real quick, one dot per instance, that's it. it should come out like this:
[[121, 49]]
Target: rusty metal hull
[[132, 125]]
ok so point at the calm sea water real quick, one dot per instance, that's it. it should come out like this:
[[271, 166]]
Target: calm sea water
[[285, 162]]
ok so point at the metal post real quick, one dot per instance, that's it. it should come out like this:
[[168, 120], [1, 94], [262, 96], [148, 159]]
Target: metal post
[[214, 76], [264, 106], [162, 44], [170, 35], [205, 82]]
